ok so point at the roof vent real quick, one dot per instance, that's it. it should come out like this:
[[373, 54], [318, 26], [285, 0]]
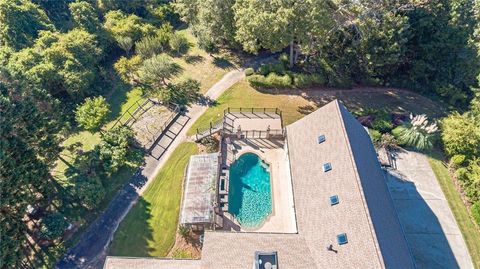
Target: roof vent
[[266, 260], [334, 200], [321, 139], [327, 167], [342, 239]]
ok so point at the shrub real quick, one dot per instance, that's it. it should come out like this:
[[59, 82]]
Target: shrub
[[264, 69], [249, 71], [277, 68], [388, 141], [284, 59], [382, 125], [375, 136], [418, 133], [211, 144], [274, 80], [396, 131], [476, 212], [149, 46], [458, 159], [89, 191], [179, 43], [257, 81], [184, 231], [53, 226], [306, 80]]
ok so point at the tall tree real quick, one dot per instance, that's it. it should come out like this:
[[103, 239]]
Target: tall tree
[[92, 113], [20, 22], [275, 24], [28, 148]]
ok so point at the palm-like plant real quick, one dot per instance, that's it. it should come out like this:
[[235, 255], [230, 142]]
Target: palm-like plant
[[418, 133]]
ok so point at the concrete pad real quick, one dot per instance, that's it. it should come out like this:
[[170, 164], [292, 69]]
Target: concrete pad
[[432, 233]]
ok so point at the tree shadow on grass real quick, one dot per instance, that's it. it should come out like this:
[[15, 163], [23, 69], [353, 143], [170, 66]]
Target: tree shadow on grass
[[194, 59], [222, 63], [117, 95], [134, 233]]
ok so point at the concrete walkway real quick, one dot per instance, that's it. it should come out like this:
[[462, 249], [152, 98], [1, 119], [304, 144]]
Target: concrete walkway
[[90, 251], [430, 228]]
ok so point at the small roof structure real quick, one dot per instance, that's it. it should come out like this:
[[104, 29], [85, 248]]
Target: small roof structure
[[199, 192]]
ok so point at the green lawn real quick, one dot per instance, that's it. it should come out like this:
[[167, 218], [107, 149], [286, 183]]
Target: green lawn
[[199, 65], [242, 95], [470, 233], [149, 228]]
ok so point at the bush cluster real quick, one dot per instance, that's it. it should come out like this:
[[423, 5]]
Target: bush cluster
[[271, 81]]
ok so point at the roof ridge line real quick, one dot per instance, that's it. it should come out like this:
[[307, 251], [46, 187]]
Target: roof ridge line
[[357, 181]]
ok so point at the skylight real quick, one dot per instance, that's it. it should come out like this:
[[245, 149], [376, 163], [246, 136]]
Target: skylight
[[334, 200], [321, 139], [327, 167], [342, 239]]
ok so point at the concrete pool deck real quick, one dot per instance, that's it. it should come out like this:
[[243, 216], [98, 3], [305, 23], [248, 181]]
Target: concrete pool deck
[[430, 228], [282, 218]]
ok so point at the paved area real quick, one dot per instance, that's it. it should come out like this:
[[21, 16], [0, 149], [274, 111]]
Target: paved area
[[430, 227], [90, 251]]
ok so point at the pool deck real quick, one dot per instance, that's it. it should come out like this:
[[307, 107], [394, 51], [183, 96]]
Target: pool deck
[[282, 219]]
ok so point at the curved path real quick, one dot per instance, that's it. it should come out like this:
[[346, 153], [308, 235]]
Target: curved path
[[90, 251]]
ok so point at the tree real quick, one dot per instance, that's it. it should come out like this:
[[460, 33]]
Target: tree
[[212, 20], [125, 43], [30, 125], [157, 70], [179, 44], [60, 63], [20, 23], [275, 25], [183, 93], [114, 148], [149, 46], [53, 226], [119, 24], [84, 16], [92, 113], [128, 68]]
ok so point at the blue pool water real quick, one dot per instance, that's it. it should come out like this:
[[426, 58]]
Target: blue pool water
[[249, 199]]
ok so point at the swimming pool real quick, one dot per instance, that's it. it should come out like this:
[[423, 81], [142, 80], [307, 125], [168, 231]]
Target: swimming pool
[[250, 197]]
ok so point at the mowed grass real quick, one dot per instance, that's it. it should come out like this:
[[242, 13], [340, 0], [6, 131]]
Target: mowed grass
[[470, 232], [199, 65], [242, 95], [149, 228]]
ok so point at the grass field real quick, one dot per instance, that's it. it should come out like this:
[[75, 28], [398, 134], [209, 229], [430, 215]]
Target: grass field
[[199, 65], [470, 233], [149, 228], [242, 95]]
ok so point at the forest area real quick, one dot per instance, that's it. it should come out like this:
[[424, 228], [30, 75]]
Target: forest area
[[61, 62]]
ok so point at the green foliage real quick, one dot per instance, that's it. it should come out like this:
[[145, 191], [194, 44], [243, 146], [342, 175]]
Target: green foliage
[[125, 43], [91, 114], [301, 80], [20, 23], [179, 44], [249, 71], [118, 24], [469, 176], [149, 46], [461, 135], [183, 93], [375, 136], [476, 212], [53, 226], [156, 71], [418, 133], [128, 68], [89, 191], [458, 159], [60, 63], [84, 16], [184, 231], [113, 150], [277, 68], [271, 81]]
